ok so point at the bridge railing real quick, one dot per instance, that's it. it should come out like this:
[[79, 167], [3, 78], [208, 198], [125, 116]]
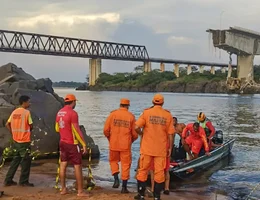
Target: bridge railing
[[31, 43]]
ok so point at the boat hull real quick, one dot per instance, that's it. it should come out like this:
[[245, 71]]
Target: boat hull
[[202, 162]]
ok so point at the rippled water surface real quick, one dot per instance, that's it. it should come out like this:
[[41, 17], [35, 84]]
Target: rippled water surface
[[237, 116]]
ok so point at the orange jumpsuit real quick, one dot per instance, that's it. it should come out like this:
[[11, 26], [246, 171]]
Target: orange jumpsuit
[[120, 131], [196, 139], [157, 124]]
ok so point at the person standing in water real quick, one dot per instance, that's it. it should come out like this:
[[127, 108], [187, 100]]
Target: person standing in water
[[158, 130], [120, 131]]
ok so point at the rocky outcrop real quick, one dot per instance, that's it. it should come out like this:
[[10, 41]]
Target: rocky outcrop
[[45, 104], [170, 86], [84, 86]]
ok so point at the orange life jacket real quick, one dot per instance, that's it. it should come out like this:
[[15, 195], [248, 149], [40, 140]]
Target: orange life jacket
[[20, 119]]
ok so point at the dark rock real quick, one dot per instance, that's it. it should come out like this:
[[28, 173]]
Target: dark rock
[[216, 87], [5, 112], [83, 87], [60, 99], [4, 103], [8, 79], [44, 106], [5, 138], [90, 143], [45, 84], [170, 87], [24, 84], [195, 88], [5, 86], [11, 69]]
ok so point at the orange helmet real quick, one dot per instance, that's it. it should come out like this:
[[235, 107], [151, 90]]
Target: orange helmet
[[201, 117], [158, 99], [70, 97], [125, 101]]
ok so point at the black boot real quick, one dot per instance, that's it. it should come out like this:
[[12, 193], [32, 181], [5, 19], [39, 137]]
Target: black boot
[[141, 187], [116, 181], [124, 187], [158, 187]]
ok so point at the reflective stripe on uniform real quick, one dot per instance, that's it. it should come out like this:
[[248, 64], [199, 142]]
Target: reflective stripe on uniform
[[22, 128]]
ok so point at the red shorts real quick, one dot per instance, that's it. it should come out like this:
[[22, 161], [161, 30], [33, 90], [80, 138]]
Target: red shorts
[[195, 144], [70, 153], [167, 166]]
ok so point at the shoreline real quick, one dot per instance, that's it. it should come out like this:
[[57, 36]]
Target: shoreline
[[43, 176]]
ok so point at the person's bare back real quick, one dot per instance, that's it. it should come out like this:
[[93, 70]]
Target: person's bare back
[[179, 128]]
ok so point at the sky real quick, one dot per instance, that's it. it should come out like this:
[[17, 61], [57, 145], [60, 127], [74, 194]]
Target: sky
[[174, 29]]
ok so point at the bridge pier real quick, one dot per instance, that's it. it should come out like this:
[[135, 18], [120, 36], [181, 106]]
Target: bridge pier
[[162, 67], [201, 69], [147, 66], [189, 71], [94, 70], [245, 66], [177, 70], [223, 70], [212, 70], [229, 71]]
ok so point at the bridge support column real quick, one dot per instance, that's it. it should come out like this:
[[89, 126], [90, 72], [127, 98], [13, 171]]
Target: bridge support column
[[94, 70], [223, 70], [162, 67], [201, 69], [245, 66], [189, 71], [229, 71], [147, 66], [212, 70], [177, 70]]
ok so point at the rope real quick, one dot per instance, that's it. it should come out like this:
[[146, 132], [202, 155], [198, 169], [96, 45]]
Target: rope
[[8, 153], [91, 183], [252, 191], [90, 179], [57, 176]]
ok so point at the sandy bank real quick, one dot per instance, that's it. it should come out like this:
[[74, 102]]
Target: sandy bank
[[43, 176]]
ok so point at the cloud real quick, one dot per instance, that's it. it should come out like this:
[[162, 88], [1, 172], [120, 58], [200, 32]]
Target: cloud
[[66, 20], [172, 29], [174, 40]]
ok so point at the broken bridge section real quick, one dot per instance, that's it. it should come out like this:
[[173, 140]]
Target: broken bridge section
[[242, 42]]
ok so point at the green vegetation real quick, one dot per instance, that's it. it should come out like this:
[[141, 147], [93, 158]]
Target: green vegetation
[[70, 84], [257, 73], [138, 78]]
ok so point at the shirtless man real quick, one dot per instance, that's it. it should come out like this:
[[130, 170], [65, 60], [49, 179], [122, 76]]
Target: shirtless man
[[178, 126]]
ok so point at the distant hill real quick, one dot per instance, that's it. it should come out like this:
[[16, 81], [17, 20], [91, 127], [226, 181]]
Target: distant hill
[[68, 84]]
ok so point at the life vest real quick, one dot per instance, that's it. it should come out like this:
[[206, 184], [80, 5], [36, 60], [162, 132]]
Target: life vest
[[20, 126], [203, 125]]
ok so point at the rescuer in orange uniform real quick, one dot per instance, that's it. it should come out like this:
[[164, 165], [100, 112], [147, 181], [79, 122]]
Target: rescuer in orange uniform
[[20, 125], [67, 125], [178, 130], [157, 133], [120, 131], [195, 140]]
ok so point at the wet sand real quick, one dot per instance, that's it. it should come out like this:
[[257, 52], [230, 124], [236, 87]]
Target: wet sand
[[43, 177]]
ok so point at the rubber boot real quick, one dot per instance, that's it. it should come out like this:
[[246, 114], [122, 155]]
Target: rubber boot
[[124, 187], [116, 181], [158, 187], [141, 190]]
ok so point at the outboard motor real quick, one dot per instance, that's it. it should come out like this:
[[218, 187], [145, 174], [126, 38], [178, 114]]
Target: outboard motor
[[218, 137]]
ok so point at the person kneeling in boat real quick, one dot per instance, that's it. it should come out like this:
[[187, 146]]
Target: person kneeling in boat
[[193, 143], [207, 125]]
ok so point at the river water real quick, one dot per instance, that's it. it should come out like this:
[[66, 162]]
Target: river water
[[237, 116]]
